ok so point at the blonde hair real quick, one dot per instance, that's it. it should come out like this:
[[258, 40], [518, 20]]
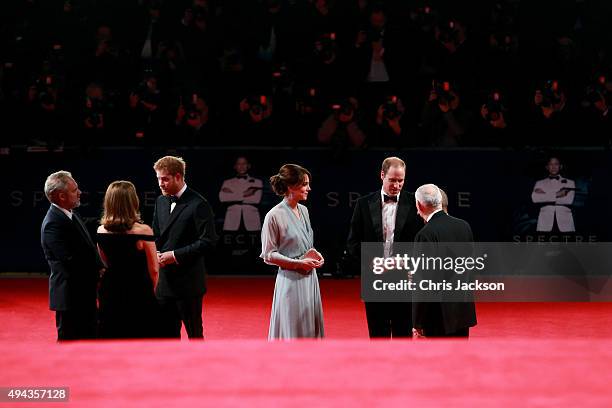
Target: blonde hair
[[171, 164], [121, 204]]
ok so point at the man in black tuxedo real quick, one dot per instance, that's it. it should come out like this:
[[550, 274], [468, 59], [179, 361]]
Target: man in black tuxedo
[[441, 319], [387, 216], [73, 260], [184, 227]]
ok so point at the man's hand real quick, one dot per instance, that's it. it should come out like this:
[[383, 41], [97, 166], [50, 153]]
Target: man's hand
[[562, 193], [165, 258]]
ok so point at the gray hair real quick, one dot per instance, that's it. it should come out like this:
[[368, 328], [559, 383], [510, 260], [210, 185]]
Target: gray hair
[[57, 183], [429, 195]]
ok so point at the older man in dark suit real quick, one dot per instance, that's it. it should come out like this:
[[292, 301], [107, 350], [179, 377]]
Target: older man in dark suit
[[184, 227], [73, 260], [387, 216], [446, 318]]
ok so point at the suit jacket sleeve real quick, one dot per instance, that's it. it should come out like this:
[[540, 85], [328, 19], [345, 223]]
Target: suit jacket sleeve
[[206, 235], [235, 195], [569, 198], [55, 239], [155, 223], [546, 197], [255, 198]]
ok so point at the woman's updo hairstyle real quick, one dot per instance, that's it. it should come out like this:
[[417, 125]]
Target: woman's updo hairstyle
[[288, 175]]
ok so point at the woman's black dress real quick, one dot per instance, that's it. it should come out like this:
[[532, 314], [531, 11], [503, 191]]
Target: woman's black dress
[[128, 307]]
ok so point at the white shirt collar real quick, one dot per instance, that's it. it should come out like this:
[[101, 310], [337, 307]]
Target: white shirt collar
[[181, 191], [431, 215], [65, 211], [383, 194]]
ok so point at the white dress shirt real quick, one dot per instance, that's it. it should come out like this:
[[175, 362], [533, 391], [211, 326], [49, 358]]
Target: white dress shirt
[[178, 195], [389, 212]]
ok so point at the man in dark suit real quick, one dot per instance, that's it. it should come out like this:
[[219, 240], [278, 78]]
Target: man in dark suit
[[441, 319], [73, 260], [184, 227], [386, 216]]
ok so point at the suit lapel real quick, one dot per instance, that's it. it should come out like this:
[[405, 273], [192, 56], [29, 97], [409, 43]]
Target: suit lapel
[[82, 229], [403, 209], [376, 214], [163, 213], [170, 217]]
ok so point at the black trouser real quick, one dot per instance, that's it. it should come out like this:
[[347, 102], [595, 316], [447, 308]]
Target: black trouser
[[435, 324], [76, 324], [175, 312], [389, 319]]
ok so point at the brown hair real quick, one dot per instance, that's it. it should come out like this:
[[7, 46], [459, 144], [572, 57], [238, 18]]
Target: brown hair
[[120, 207], [173, 165], [392, 162], [288, 175]]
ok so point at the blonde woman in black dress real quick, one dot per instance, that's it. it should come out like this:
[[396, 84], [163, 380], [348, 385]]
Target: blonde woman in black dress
[[128, 308]]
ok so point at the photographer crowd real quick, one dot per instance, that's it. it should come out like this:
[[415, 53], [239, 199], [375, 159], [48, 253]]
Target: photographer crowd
[[338, 73]]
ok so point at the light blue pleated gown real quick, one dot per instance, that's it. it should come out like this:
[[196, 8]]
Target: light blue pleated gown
[[296, 307]]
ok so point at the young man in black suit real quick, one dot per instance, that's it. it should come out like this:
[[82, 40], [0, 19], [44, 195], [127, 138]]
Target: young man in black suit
[[388, 216], [441, 319], [184, 226], [73, 260]]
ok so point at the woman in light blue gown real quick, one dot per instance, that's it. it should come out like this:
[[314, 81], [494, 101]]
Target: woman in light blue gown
[[287, 242]]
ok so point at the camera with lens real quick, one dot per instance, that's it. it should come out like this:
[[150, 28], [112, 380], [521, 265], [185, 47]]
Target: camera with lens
[[494, 106], [345, 107], [308, 101], [424, 17], [375, 34], [443, 91], [447, 31], [282, 80], [551, 94], [93, 111], [325, 47], [191, 109], [44, 88], [597, 91], [257, 104], [391, 109]]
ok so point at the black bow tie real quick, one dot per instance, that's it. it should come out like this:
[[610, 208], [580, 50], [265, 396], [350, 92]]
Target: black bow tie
[[390, 198], [553, 177], [241, 177], [172, 199]]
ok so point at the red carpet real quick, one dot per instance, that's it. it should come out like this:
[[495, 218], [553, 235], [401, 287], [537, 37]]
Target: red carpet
[[520, 354]]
